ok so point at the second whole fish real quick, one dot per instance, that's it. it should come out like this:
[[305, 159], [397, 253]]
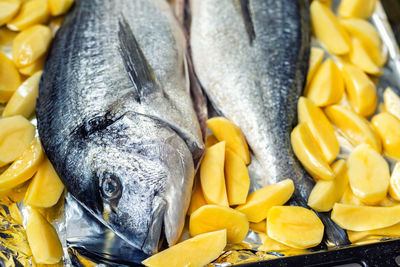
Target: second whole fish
[[251, 57]]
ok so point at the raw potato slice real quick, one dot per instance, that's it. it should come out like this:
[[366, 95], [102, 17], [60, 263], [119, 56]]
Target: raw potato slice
[[320, 128], [308, 153], [23, 101], [360, 90], [360, 57], [316, 57], [328, 29], [355, 128], [237, 178], [211, 140], [394, 186], [9, 78], [391, 102], [356, 8], [388, 128], [225, 130], [211, 218], [194, 252], [326, 193], [327, 86], [197, 200], [34, 67], [24, 167], [259, 202], [368, 174], [212, 175], [365, 218], [43, 239], [391, 231], [8, 9], [45, 188], [259, 227], [16, 133], [368, 35], [59, 7], [296, 227], [30, 45], [350, 199], [269, 244], [32, 12]]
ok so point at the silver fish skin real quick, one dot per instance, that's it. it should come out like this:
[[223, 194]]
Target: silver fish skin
[[251, 57], [116, 119]]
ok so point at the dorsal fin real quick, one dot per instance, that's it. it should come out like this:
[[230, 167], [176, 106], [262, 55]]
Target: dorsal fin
[[136, 65], [247, 19]]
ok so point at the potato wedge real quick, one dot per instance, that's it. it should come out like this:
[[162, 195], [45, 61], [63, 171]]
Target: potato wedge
[[296, 227], [364, 218], [360, 57], [394, 186], [388, 128], [368, 174], [43, 239], [16, 133], [197, 199], [59, 7], [211, 140], [36, 66], [31, 12], [320, 128], [326, 87], [327, 28], [391, 102], [8, 9], [24, 167], [355, 128], [236, 177], [350, 199], [391, 231], [211, 218], [269, 244], [212, 175], [259, 202], [23, 101], [308, 153], [9, 78], [194, 252], [225, 130], [316, 57], [356, 8], [259, 227]]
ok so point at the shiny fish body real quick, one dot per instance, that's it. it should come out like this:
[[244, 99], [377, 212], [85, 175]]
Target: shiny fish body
[[251, 58], [116, 119]]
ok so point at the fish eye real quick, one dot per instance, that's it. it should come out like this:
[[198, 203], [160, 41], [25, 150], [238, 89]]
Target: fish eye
[[111, 187]]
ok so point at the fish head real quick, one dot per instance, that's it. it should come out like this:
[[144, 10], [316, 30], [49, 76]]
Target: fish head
[[138, 178]]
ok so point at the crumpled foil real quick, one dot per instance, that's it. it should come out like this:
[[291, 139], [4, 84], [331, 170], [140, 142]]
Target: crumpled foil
[[87, 242]]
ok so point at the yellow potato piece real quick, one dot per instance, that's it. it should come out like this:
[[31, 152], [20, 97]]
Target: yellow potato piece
[[364, 218], [326, 193], [360, 90], [327, 86], [6, 38], [16, 133], [55, 24], [394, 186], [45, 189], [261, 201], [24, 167], [391, 102], [237, 178], [388, 128], [355, 128], [350, 199], [269, 244], [32, 12], [34, 67], [368, 35], [211, 140], [197, 199], [225, 130], [194, 252], [368, 174], [8, 9], [296, 227], [9, 78], [59, 7], [30, 45], [320, 128], [23, 101], [327, 28], [391, 231], [360, 57], [211, 218], [316, 57], [212, 175], [307, 151], [259, 227], [356, 8], [43, 239]]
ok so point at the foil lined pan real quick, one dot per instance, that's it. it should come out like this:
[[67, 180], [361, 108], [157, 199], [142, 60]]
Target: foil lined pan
[[88, 243]]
